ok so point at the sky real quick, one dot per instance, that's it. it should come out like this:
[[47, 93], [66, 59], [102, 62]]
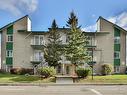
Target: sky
[[42, 12]]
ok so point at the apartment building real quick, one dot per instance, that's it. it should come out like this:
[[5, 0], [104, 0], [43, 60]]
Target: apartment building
[[22, 47]]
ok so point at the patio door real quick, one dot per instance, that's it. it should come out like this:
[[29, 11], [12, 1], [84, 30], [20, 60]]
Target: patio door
[[38, 55], [36, 40]]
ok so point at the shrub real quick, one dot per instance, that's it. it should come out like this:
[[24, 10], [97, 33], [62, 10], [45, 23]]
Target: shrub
[[21, 71], [13, 71], [46, 72], [83, 72], [106, 69], [2, 71]]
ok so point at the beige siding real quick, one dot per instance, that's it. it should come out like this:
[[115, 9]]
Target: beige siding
[[105, 45], [123, 51], [22, 50], [106, 42]]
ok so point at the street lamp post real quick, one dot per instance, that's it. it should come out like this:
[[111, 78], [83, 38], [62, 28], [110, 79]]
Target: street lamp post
[[92, 63]]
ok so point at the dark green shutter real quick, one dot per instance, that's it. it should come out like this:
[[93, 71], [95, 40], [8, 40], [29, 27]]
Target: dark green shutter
[[116, 46], [9, 46]]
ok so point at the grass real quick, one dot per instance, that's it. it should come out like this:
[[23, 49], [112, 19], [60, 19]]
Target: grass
[[10, 78], [115, 79]]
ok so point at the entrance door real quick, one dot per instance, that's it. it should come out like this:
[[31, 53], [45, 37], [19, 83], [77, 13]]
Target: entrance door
[[59, 69], [117, 69], [64, 69], [67, 70]]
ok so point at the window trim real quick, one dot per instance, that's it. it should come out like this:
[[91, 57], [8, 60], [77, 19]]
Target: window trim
[[118, 53], [8, 36], [117, 42], [9, 53]]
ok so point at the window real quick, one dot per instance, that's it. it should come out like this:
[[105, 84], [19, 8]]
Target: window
[[116, 55], [38, 40], [89, 41], [117, 69], [89, 53], [38, 55], [10, 38], [117, 40], [9, 53]]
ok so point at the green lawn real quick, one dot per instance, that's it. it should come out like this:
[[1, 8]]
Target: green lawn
[[10, 78], [117, 79]]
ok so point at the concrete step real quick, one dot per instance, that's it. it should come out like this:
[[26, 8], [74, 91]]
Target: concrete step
[[65, 79]]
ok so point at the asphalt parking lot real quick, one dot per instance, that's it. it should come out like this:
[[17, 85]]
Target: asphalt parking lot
[[65, 90]]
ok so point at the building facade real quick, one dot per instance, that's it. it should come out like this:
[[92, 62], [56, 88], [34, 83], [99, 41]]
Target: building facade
[[21, 47]]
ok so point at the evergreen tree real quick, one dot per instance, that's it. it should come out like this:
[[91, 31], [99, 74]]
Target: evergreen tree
[[76, 51], [52, 49]]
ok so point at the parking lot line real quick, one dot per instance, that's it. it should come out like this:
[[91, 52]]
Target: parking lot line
[[95, 91]]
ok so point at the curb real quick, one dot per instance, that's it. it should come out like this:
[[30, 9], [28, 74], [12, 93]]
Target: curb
[[54, 84]]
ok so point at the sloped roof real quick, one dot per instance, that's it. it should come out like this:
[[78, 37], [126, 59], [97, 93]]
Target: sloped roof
[[112, 23], [12, 22]]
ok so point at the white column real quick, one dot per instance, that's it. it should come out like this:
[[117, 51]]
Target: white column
[[63, 72]]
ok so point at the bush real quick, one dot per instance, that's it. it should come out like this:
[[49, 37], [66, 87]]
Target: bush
[[13, 71], [21, 71], [2, 71], [46, 72], [106, 69], [83, 72]]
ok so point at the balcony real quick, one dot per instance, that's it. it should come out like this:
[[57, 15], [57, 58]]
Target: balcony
[[36, 60], [37, 44], [91, 44]]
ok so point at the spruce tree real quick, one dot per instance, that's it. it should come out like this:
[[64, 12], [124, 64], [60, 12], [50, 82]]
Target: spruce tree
[[52, 49], [76, 50]]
